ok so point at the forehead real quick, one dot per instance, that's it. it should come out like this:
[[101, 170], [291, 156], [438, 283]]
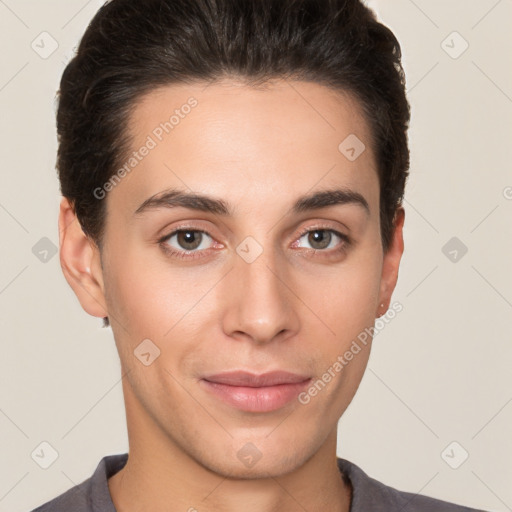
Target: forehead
[[247, 142]]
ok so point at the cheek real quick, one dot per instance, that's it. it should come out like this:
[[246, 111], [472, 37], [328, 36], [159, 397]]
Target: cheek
[[142, 296], [345, 297], [155, 299]]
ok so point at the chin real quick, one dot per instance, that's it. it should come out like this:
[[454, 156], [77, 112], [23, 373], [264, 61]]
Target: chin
[[250, 462]]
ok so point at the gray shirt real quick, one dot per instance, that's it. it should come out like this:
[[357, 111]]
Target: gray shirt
[[368, 494]]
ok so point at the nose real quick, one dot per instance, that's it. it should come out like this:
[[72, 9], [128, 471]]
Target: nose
[[260, 305]]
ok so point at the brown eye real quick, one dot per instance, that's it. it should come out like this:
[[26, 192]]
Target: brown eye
[[321, 239], [187, 240]]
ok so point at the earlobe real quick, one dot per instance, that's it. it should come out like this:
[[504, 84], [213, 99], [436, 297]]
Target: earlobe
[[391, 263], [80, 262]]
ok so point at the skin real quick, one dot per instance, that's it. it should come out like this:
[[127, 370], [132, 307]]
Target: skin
[[292, 308]]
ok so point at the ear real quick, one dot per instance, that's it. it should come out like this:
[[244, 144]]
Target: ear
[[80, 262], [391, 263]]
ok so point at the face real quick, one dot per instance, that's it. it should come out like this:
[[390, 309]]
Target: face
[[254, 278]]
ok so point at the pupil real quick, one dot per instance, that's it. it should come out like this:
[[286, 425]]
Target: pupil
[[187, 237], [317, 236]]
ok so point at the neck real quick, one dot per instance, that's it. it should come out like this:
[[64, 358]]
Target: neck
[[162, 475], [141, 487]]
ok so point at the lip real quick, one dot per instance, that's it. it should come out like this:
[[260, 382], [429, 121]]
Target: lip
[[241, 378], [256, 393]]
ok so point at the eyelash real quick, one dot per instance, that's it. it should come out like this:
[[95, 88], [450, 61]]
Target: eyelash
[[191, 255]]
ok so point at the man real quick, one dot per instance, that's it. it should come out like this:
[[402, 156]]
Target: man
[[232, 175]]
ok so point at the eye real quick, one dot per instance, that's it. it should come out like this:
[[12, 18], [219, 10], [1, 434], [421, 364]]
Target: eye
[[185, 242], [190, 243], [323, 238]]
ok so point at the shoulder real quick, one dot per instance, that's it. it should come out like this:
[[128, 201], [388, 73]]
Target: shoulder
[[90, 495], [77, 499], [370, 495]]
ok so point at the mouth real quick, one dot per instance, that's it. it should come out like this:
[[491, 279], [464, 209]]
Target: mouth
[[255, 393]]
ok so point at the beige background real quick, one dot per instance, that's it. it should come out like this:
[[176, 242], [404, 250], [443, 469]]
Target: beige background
[[438, 373]]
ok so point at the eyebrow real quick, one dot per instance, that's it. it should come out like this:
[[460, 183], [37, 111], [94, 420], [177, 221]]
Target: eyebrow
[[172, 198]]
